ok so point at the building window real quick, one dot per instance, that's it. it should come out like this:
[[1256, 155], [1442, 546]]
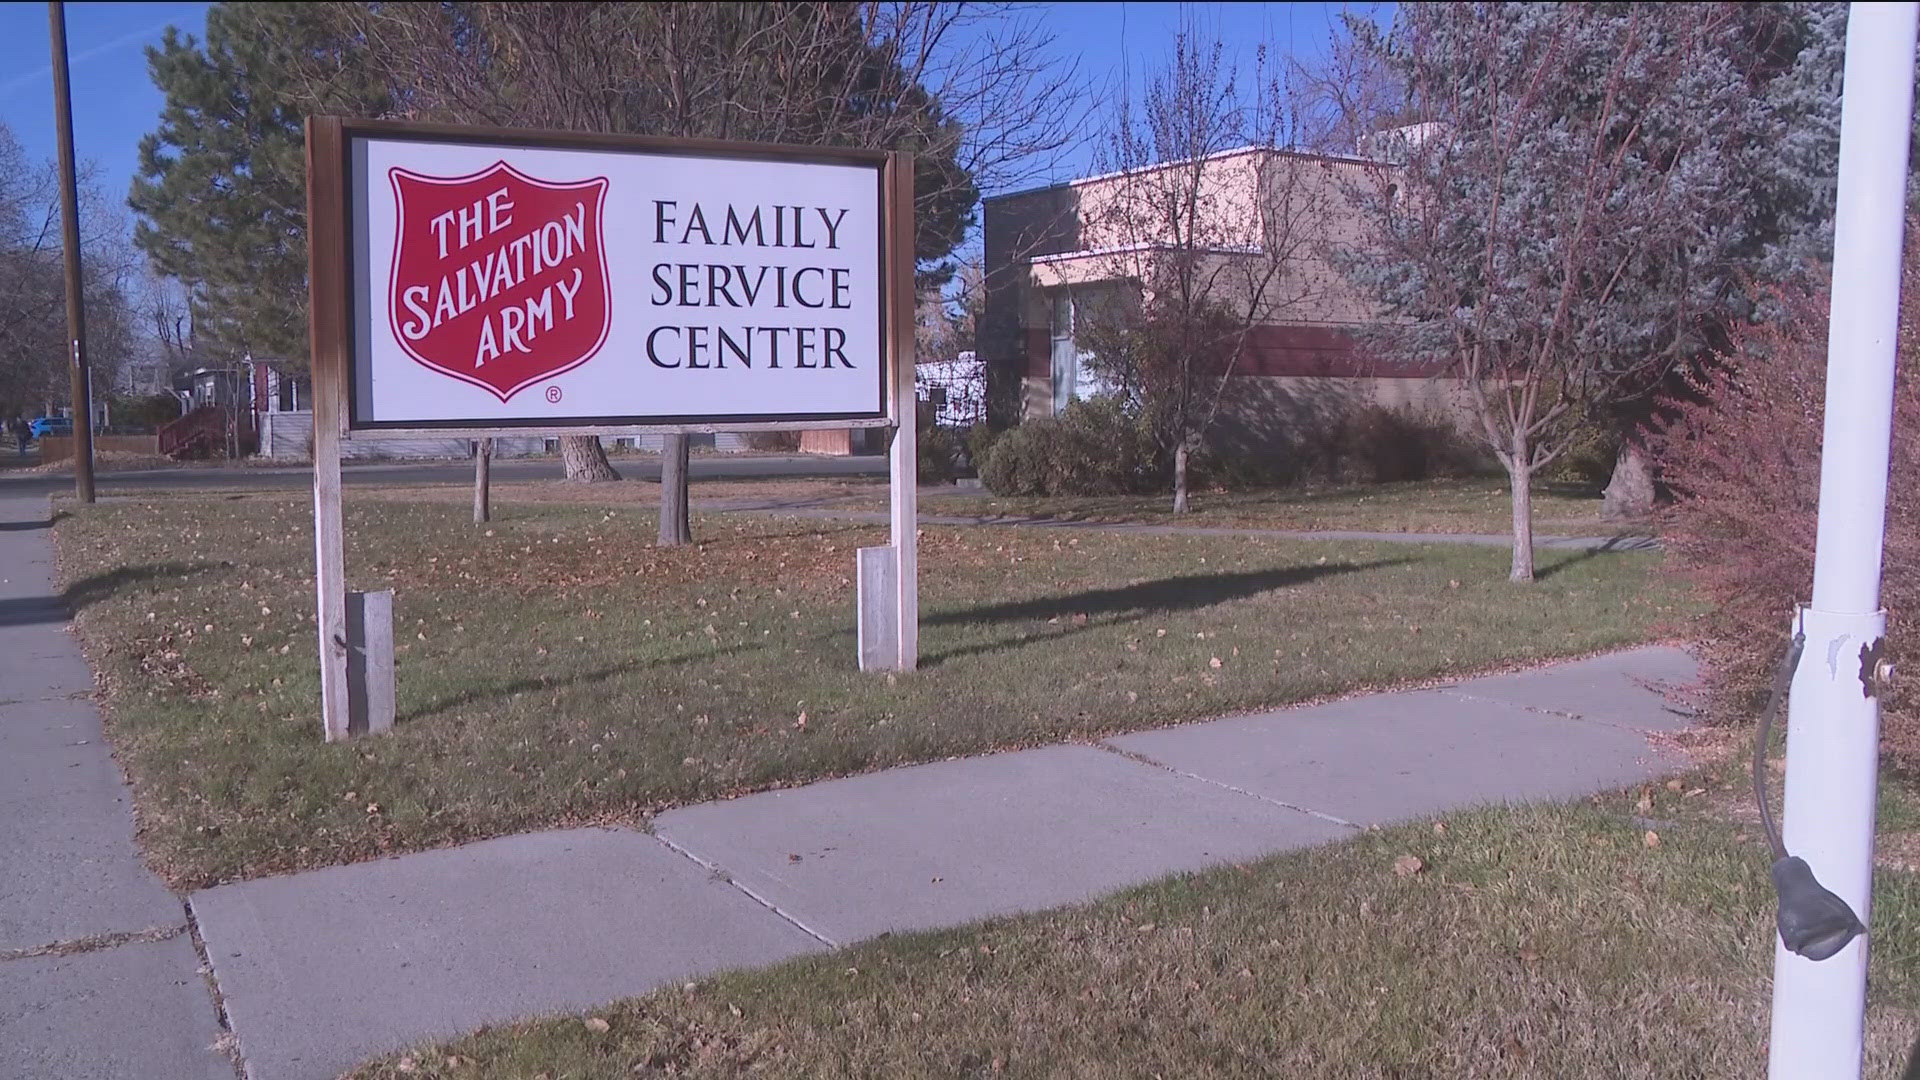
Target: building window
[[1065, 358], [1072, 379]]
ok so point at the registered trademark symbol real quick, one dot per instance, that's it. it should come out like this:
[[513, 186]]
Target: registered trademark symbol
[[553, 395]]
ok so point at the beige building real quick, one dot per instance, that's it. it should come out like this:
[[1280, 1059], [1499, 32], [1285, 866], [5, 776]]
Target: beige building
[[1264, 228]]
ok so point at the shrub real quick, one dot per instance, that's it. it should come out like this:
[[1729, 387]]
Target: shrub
[[1377, 444], [938, 448], [1589, 456], [980, 440], [144, 413], [1094, 447], [1744, 464]]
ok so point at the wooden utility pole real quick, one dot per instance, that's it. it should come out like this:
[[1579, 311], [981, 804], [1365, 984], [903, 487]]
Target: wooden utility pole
[[82, 391]]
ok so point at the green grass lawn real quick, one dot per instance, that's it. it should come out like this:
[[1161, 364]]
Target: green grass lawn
[[1474, 505], [556, 669], [1628, 936]]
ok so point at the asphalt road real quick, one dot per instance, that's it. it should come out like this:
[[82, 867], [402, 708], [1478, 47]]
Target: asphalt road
[[413, 474]]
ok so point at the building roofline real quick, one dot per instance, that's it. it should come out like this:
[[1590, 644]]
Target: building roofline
[[1234, 152], [1132, 249]]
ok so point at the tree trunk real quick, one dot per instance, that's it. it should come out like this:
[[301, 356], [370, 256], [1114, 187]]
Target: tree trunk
[[482, 481], [1630, 493], [1520, 477], [674, 526], [586, 459], [1180, 454]]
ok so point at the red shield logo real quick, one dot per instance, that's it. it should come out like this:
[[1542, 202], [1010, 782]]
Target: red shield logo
[[499, 279]]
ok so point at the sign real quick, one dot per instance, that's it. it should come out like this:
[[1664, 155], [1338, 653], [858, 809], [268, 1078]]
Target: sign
[[491, 281], [500, 280], [526, 301]]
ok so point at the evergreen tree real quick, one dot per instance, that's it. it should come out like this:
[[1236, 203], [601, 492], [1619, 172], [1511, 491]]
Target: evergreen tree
[[221, 190], [810, 74]]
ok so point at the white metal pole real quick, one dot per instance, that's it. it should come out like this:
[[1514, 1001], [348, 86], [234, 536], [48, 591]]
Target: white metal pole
[[1833, 733]]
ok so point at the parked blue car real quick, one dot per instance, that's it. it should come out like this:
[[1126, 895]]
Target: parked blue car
[[52, 425]]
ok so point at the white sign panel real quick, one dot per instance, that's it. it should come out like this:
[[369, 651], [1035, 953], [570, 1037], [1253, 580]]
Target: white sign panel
[[497, 284]]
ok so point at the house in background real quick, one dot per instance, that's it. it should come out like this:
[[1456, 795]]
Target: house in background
[[143, 378], [955, 391], [280, 405], [1054, 258]]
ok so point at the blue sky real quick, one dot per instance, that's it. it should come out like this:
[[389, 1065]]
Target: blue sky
[[114, 102]]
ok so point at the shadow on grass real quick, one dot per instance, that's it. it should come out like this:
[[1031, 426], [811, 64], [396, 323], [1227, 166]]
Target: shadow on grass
[[587, 678], [1035, 509], [97, 587], [1130, 603], [1618, 545]]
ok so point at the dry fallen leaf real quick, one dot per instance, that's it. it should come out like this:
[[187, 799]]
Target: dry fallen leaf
[[1408, 865], [1214, 663], [1673, 785], [1143, 928], [1652, 838], [594, 1023]]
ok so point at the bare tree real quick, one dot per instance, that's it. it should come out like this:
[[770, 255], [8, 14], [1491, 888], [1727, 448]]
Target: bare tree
[[169, 322], [1346, 95], [968, 88], [946, 321], [33, 350], [1209, 230]]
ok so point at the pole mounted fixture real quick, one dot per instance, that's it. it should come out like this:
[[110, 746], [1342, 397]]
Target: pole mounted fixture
[[1813, 922]]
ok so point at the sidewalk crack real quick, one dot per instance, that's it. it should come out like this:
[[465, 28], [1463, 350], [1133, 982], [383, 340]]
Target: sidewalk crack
[[1557, 714], [227, 1044], [721, 873], [95, 943], [1142, 759]]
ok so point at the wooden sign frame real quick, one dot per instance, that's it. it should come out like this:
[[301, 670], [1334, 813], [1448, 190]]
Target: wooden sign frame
[[332, 338]]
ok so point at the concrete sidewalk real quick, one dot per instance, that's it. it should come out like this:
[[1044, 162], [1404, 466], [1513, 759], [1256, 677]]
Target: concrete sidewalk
[[320, 970], [98, 973]]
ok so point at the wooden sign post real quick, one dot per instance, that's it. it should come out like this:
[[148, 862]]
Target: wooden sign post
[[327, 333], [463, 283]]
